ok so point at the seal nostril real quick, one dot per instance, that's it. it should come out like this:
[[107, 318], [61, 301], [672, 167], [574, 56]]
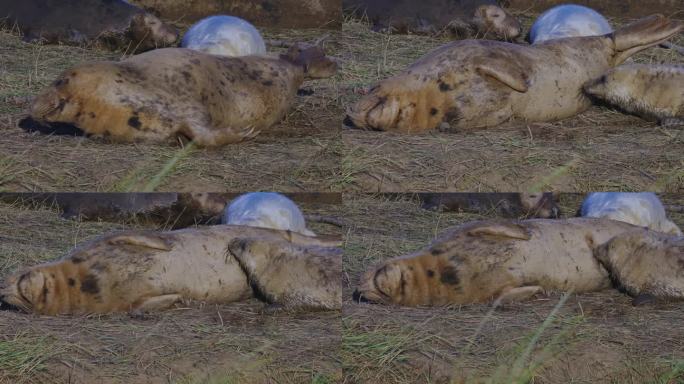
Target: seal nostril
[[5, 306], [348, 122], [357, 297], [29, 124]]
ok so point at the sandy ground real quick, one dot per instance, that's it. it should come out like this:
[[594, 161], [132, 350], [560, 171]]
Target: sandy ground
[[232, 343], [595, 338]]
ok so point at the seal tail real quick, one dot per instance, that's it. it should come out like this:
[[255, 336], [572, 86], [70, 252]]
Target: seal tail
[[642, 34]]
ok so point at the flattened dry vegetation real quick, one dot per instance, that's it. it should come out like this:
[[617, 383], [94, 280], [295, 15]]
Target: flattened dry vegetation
[[601, 149], [590, 338], [232, 343], [300, 153]]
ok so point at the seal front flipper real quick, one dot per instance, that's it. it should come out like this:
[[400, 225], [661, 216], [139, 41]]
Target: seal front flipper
[[518, 294], [140, 240], [156, 303], [502, 229], [214, 136], [505, 72]]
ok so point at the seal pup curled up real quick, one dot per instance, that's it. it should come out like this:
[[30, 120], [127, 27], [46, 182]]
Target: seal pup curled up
[[480, 83], [142, 271], [504, 260], [166, 93]]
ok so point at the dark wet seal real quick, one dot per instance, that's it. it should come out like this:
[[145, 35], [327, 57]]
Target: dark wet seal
[[62, 129], [305, 92], [89, 285]]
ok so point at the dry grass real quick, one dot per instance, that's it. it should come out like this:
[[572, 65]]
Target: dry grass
[[594, 338], [601, 149], [200, 344]]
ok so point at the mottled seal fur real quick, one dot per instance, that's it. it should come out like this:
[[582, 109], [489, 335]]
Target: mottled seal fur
[[498, 259], [482, 83], [141, 271], [292, 276], [457, 18], [171, 92], [646, 264], [112, 23], [651, 91]]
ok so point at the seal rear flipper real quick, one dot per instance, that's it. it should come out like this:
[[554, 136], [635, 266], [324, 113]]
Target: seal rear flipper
[[642, 34]]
